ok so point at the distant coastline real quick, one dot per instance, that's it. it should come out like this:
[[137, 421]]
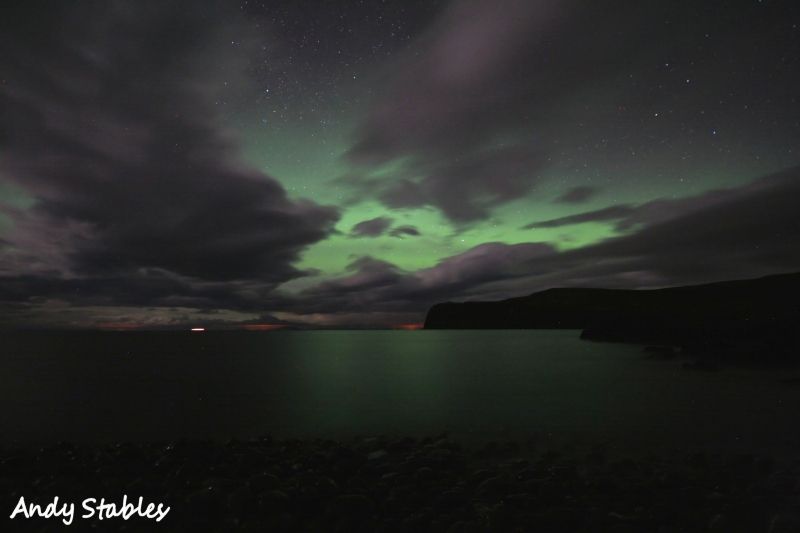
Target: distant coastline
[[754, 320]]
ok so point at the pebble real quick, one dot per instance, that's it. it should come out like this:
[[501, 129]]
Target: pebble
[[433, 485]]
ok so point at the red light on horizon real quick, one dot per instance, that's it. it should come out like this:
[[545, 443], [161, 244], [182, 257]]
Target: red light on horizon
[[263, 327], [409, 327], [117, 327]]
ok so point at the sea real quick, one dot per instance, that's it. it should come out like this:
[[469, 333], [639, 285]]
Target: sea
[[546, 389]]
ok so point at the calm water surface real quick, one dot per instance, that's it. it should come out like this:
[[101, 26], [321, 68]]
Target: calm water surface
[[545, 386]]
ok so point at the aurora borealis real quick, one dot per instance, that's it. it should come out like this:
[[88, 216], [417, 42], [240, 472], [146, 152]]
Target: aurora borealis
[[351, 163]]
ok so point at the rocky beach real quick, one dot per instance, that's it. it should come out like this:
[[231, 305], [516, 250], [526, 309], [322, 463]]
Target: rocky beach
[[392, 483]]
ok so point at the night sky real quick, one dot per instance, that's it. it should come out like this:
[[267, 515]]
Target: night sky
[[351, 163]]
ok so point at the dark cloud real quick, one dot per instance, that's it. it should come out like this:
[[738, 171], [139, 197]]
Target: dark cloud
[[401, 231], [611, 88], [446, 103], [140, 289], [607, 213], [378, 226], [444, 99], [737, 233], [468, 187], [659, 210], [371, 228], [110, 115], [745, 232], [465, 107], [578, 195], [381, 286]]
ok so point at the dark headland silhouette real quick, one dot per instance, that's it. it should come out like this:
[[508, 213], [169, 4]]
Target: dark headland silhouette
[[753, 320]]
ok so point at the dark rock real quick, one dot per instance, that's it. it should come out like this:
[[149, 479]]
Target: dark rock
[[764, 464], [378, 491], [596, 459], [378, 456], [458, 527], [661, 514], [605, 485], [696, 460], [401, 492], [518, 465], [390, 506], [527, 474], [274, 501], [368, 444], [551, 492], [564, 473], [429, 462], [357, 482], [421, 497], [403, 480], [206, 502], [454, 447], [147, 488], [345, 468], [241, 501], [522, 500], [511, 447], [719, 523], [490, 447], [425, 474], [380, 470], [780, 482], [306, 478], [480, 476], [793, 382], [452, 498], [564, 519], [480, 454], [352, 505], [407, 467], [399, 447], [317, 460], [533, 485], [501, 517], [263, 483], [457, 465], [389, 477], [416, 524], [550, 457], [785, 523], [326, 485], [442, 454], [343, 453], [276, 471]]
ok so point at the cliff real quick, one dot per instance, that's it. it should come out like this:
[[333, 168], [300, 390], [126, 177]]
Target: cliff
[[731, 318]]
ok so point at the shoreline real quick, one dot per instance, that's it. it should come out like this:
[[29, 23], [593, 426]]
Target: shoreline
[[395, 483]]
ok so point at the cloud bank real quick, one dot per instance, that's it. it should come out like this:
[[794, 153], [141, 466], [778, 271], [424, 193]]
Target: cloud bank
[[111, 124]]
